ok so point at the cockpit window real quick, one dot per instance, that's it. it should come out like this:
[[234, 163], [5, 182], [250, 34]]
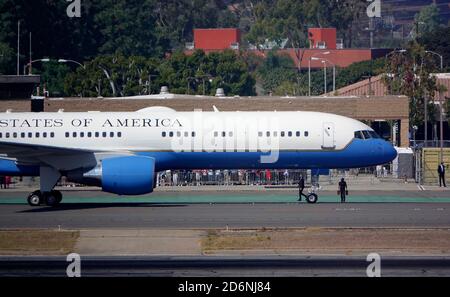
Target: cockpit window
[[374, 134], [359, 135], [366, 134]]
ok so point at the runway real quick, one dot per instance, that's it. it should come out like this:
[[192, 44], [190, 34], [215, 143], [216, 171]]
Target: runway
[[225, 266], [243, 215]]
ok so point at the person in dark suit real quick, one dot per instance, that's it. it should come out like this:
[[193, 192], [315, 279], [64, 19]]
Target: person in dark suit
[[441, 171], [301, 187], [343, 189], [2, 181]]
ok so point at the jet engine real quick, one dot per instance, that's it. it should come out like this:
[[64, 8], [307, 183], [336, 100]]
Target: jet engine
[[128, 175]]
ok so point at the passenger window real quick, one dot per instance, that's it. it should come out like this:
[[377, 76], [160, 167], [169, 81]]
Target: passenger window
[[216, 134], [52, 134], [164, 134], [306, 133], [21, 135], [268, 134], [224, 133], [97, 134], [230, 134], [260, 134], [170, 134], [81, 134], [15, 134], [7, 135], [74, 134], [104, 134], [30, 135], [111, 134], [119, 134], [193, 134], [275, 134], [297, 133], [37, 135], [290, 133], [186, 134], [282, 133], [1, 135], [178, 134], [44, 134]]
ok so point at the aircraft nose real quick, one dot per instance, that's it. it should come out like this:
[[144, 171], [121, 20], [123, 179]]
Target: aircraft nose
[[389, 152]]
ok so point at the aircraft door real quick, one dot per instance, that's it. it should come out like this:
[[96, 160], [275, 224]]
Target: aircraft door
[[328, 136]]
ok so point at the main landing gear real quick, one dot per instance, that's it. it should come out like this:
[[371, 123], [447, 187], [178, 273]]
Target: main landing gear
[[52, 198], [46, 195]]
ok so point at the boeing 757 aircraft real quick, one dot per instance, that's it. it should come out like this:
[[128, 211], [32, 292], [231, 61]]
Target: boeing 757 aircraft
[[123, 151]]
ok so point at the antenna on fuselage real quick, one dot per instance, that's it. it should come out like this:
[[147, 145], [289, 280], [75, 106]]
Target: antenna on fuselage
[[215, 109]]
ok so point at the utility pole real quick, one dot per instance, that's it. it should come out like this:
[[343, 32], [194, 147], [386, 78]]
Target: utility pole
[[425, 100], [29, 73], [18, 48]]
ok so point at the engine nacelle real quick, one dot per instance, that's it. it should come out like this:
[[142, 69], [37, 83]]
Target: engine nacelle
[[129, 175]]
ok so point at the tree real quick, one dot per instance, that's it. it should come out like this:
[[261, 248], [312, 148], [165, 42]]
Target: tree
[[117, 75], [6, 58], [427, 20], [439, 42], [409, 74]]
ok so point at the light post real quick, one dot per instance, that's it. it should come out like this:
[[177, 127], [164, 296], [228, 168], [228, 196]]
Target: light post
[[309, 70], [71, 61], [29, 64], [440, 56], [324, 61]]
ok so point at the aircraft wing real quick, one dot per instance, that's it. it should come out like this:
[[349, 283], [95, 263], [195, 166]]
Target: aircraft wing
[[30, 151], [60, 158]]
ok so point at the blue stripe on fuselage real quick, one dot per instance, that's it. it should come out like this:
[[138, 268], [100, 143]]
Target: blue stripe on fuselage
[[360, 153]]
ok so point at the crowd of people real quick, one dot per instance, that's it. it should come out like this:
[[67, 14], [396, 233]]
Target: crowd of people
[[5, 182], [228, 177]]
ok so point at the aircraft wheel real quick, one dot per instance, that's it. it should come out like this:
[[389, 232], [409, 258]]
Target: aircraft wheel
[[51, 198], [58, 196], [312, 198], [35, 198]]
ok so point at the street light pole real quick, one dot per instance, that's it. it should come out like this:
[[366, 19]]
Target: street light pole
[[18, 48], [325, 76], [309, 77], [71, 61], [31, 62], [440, 56]]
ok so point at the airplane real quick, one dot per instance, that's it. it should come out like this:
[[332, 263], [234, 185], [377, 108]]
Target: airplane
[[122, 152]]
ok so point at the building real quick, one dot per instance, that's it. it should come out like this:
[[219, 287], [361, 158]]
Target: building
[[18, 86], [375, 86], [215, 39], [323, 44]]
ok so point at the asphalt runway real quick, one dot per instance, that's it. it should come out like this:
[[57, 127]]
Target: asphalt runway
[[243, 215], [213, 266]]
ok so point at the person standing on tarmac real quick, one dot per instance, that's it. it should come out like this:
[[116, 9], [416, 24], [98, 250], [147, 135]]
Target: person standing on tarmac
[[441, 172], [343, 189], [301, 187]]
